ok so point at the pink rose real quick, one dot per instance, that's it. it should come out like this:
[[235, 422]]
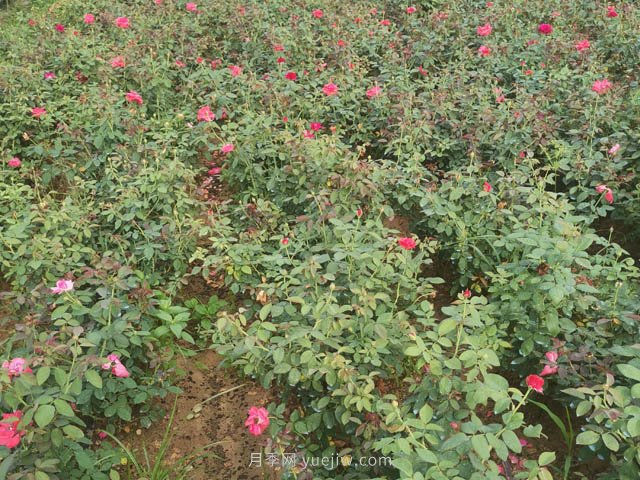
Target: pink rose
[[16, 367], [611, 12], [411, 10], [330, 89], [122, 22], [192, 7], [552, 356], [484, 30], [49, 75], [582, 45], [486, 186], [120, 371], [374, 91], [205, 114], [548, 370], [115, 365], [293, 76], [89, 19], [62, 285], [134, 97], [14, 162], [227, 148], [235, 70], [60, 27], [315, 126], [38, 112], [317, 13], [308, 134], [545, 28], [601, 86], [614, 149], [484, 51], [118, 62], [257, 420]]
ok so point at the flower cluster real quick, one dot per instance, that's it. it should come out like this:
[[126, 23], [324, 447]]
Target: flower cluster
[[115, 365]]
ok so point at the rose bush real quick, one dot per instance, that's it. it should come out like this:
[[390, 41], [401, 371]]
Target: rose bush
[[376, 160]]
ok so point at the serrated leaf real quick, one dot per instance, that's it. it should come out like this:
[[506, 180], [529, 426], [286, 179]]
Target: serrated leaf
[[42, 375], [404, 465], [93, 378], [446, 326], [425, 414], [44, 415], [481, 446], [413, 351], [63, 408], [512, 441]]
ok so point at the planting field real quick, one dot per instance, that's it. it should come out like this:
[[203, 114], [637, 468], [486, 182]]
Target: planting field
[[295, 239]]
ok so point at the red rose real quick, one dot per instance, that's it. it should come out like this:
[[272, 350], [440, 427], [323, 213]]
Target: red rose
[[545, 28], [535, 382], [407, 243]]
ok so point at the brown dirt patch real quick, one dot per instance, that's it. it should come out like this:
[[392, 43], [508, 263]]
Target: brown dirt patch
[[220, 420]]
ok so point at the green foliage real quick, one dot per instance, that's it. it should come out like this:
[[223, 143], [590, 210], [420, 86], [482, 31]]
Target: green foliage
[[371, 347]]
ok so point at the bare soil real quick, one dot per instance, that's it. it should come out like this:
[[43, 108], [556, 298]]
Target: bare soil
[[220, 420]]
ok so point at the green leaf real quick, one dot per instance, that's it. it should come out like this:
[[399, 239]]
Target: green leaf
[[546, 458], [63, 408], [56, 437], [413, 351], [93, 378], [294, 376], [264, 311], [556, 295], [73, 432], [84, 460], [446, 326], [278, 355], [124, 412], [404, 465], [6, 465], [481, 446], [44, 415], [60, 376], [40, 475], [427, 456], [426, 412], [587, 438], [454, 441], [583, 408], [630, 371], [499, 446], [610, 442], [512, 441], [42, 375]]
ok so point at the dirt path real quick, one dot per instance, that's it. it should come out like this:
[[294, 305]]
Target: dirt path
[[220, 420]]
